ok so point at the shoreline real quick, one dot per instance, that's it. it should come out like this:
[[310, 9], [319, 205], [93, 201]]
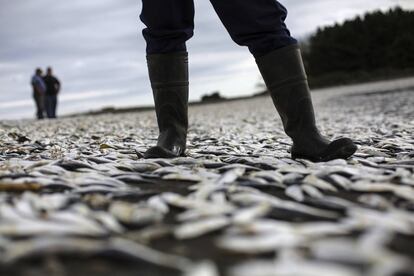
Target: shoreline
[[368, 88], [374, 87]]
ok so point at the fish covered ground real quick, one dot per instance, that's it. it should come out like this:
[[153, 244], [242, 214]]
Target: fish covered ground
[[76, 197]]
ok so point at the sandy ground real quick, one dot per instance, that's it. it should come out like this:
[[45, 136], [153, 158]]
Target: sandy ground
[[77, 199]]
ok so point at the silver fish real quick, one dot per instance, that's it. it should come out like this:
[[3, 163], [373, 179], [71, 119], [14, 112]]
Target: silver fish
[[264, 243], [312, 191], [295, 192], [341, 181], [283, 204], [292, 267], [134, 214], [198, 228], [319, 183], [247, 215]]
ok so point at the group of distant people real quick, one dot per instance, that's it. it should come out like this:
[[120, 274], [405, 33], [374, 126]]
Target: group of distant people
[[45, 92]]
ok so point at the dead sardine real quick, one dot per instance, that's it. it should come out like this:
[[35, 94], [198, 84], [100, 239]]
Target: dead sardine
[[319, 183], [198, 228], [134, 214]]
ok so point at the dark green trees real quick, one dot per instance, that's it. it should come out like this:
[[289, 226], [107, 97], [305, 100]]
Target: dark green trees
[[377, 45]]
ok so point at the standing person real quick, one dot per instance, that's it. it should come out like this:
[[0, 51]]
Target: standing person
[[39, 90], [52, 91], [260, 26]]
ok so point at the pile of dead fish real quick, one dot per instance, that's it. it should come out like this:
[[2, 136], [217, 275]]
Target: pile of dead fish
[[79, 186]]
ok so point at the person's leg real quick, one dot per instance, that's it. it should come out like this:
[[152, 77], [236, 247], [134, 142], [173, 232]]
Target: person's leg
[[170, 24], [42, 101], [285, 77], [39, 106], [260, 26], [38, 110], [53, 106], [48, 106]]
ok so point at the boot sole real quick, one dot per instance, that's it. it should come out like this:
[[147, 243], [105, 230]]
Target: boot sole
[[159, 152], [340, 149], [343, 153]]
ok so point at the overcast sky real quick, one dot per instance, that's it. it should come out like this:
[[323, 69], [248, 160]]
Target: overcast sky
[[97, 50]]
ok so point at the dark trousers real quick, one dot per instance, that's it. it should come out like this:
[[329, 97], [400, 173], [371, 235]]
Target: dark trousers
[[40, 104], [257, 24], [50, 106]]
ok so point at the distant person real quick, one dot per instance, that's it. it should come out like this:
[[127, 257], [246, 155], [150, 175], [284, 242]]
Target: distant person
[[52, 91], [39, 90], [260, 26]]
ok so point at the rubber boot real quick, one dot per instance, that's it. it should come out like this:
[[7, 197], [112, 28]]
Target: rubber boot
[[284, 74], [169, 81]]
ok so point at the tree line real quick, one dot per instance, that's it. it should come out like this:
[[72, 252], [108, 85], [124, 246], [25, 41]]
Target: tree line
[[377, 45]]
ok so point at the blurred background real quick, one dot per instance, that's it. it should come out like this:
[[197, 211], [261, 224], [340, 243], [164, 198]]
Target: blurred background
[[96, 49]]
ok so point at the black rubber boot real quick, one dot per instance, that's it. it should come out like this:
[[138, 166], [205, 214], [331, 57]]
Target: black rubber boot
[[285, 78], [169, 81]]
